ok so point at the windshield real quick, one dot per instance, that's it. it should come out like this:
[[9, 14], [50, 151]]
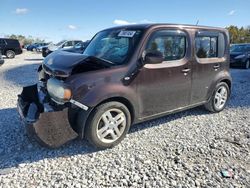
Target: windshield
[[60, 43], [113, 45], [240, 48]]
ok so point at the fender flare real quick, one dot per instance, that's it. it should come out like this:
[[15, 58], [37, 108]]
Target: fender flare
[[221, 77]]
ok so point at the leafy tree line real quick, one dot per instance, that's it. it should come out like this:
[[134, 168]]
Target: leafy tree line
[[239, 35], [25, 40]]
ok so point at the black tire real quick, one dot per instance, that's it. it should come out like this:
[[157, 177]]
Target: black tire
[[93, 123], [247, 64], [10, 54], [210, 106]]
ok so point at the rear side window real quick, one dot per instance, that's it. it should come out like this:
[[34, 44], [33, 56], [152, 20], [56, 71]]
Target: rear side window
[[210, 44], [206, 47], [171, 43], [2, 42], [13, 42]]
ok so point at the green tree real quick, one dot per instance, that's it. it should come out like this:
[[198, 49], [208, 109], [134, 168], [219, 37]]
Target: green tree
[[239, 35]]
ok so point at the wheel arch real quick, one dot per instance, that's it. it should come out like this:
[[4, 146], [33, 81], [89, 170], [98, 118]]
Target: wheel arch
[[83, 116], [228, 82], [223, 77], [124, 101], [7, 49]]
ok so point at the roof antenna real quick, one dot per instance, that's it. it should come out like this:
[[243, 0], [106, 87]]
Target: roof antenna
[[197, 22]]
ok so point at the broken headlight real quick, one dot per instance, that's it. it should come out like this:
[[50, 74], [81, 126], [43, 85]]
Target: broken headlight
[[58, 91]]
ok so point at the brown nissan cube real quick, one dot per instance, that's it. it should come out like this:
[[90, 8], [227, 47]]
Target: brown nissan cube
[[126, 75]]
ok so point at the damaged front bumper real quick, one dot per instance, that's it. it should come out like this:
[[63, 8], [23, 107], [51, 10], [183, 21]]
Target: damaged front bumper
[[48, 124]]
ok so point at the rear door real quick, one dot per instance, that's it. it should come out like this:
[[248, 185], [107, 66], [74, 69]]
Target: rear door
[[166, 86], [209, 61]]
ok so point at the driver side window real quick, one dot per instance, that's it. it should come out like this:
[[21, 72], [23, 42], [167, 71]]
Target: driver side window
[[171, 43]]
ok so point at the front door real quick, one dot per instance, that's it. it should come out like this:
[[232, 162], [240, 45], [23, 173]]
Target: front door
[[166, 86]]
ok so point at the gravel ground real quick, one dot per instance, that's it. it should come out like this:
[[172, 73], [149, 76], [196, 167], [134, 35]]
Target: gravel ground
[[187, 149]]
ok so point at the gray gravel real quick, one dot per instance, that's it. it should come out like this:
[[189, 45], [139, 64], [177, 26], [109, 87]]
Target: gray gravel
[[187, 149]]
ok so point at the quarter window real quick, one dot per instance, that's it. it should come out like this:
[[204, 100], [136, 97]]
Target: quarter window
[[206, 47], [171, 43]]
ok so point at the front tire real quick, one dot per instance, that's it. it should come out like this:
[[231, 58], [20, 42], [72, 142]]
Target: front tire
[[219, 98], [10, 54], [108, 124]]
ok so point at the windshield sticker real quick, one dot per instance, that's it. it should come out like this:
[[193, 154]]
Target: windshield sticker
[[129, 34]]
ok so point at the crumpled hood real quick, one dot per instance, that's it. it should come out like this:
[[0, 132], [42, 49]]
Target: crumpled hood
[[61, 63]]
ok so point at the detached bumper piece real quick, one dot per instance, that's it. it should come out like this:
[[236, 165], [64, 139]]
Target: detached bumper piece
[[51, 128]]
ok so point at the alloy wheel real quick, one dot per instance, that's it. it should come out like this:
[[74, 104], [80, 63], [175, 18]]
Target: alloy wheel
[[220, 98], [10, 54], [111, 125]]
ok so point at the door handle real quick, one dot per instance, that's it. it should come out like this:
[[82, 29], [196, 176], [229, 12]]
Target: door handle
[[186, 70], [216, 66]]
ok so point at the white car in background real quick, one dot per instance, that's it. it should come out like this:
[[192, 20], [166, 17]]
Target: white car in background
[[62, 44]]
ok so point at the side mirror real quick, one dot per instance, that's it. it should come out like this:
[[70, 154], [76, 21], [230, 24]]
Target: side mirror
[[153, 57]]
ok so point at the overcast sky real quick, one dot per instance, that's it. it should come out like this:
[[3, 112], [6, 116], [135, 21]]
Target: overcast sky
[[54, 20]]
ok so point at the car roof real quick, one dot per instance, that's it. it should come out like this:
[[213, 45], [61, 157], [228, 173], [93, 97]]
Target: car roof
[[147, 26], [8, 39]]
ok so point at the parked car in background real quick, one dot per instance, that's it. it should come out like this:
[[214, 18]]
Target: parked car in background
[[240, 55], [40, 48], [78, 48], [62, 44], [127, 75], [33, 47], [10, 47], [1, 59]]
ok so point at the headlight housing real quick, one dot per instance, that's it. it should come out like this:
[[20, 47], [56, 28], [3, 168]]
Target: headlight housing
[[58, 91], [240, 56]]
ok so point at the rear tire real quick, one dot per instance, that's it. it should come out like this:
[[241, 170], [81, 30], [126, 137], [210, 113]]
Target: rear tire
[[219, 98], [108, 124], [10, 54]]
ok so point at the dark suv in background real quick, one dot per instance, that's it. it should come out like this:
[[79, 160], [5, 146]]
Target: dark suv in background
[[240, 55], [10, 47]]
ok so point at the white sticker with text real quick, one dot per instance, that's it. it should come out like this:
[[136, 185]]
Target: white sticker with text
[[129, 34]]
